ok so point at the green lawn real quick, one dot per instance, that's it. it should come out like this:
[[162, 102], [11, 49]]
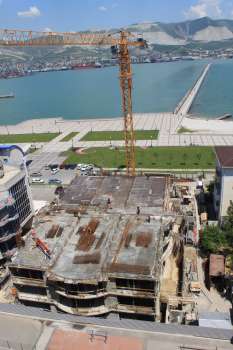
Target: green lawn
[[119, 135], [69, 136], [27, 138], [149, 158]]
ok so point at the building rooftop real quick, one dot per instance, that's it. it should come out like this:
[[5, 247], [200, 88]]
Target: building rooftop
[[135, 251], [220, 320], [10, 172], [99, 238], [124, 193], [68, 338], [96, 243], [37, 328], [32, 257], [217, 265], [225, 156], [84, 255]]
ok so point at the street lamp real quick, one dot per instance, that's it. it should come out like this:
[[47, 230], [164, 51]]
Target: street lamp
[[151, 141]]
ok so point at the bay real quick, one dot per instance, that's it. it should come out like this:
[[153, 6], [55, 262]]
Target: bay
[[215, 98], [95, 93]]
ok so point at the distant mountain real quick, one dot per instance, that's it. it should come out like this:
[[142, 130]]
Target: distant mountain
[[205, 33], [199, 30]]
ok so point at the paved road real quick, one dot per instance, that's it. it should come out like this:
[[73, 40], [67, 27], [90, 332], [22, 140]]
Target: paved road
[[39, 161]]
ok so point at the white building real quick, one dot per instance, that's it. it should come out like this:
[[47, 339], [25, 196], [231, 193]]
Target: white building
[[16, 209], [223, 192]]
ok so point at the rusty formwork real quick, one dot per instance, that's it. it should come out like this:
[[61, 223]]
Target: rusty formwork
[[86, 281]]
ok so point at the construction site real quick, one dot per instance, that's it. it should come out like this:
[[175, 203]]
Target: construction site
[[112, 246]]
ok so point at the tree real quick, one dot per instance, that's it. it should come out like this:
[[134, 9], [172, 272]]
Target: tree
[[213, 239], [228, 225], [230, 213]]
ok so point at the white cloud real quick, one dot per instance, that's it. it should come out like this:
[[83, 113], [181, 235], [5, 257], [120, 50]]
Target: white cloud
[[32, 12], [47, 29], [102, 8], [204, 8]]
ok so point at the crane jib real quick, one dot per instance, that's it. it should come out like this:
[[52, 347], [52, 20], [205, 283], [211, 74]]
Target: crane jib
[[119, 43]]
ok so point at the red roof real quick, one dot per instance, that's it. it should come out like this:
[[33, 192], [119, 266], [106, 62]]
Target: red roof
[[71, 339], [225, 156], [217, 265]]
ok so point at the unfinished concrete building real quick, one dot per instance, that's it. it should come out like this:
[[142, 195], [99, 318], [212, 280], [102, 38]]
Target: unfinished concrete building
[[103, 249]]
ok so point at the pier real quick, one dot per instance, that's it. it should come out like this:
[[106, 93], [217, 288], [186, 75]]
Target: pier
[[185, 104]]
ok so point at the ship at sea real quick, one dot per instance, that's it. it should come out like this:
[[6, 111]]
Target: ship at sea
[[11, 95], [86, 65]]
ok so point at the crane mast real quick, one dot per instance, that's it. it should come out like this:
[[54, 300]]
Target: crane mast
[[126, 91], [120, 42]]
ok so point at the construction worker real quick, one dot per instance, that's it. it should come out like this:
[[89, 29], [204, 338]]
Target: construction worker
[[109, 203]]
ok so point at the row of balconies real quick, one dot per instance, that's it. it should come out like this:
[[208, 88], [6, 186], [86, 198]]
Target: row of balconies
[[87, 311], [84, 303]]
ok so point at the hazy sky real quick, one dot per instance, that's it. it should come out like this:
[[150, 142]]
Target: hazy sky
[[73, 15]]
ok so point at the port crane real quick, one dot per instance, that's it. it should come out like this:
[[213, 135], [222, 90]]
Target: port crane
[[119, 43]]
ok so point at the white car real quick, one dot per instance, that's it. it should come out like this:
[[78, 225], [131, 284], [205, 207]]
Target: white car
[[79, 166], [89, 167], [37, 180], [54, 171], [84, 167]]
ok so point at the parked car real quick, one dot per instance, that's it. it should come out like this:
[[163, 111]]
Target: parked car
[[37, 180], [80, 165], [73, 166], [36, 174], [54, 171], [54, 182], [85, 167]]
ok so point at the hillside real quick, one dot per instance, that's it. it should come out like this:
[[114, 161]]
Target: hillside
[[200, 30], [171, 37]]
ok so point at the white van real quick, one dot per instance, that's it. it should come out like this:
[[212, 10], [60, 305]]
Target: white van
[[37, 180]]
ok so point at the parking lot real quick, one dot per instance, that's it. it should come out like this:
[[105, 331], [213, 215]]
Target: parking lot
[[65, 176], [56, 176]]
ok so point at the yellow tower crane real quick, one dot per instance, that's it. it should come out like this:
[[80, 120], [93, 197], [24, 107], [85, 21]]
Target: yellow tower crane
[[119, 43]]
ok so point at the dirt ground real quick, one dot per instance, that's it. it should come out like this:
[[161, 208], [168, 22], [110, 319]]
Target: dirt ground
[[170, 277]]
